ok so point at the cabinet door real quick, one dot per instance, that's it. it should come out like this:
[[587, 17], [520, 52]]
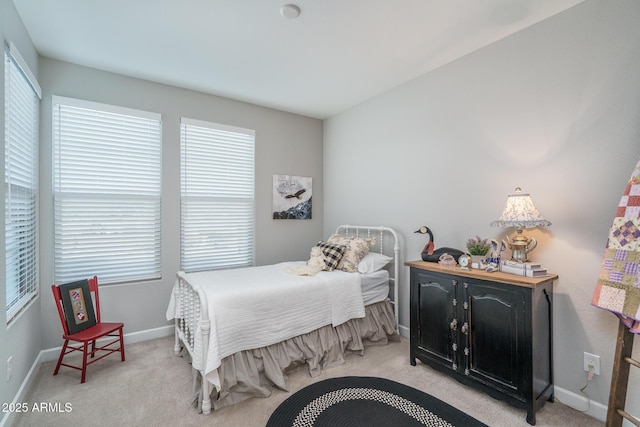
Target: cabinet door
[[494, 348], [437, 321]]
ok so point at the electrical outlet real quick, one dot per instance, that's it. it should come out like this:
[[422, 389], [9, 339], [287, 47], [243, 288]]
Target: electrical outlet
[[9, 368], [594, 361]]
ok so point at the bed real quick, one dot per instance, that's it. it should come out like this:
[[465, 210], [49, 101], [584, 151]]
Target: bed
[[243, 329]]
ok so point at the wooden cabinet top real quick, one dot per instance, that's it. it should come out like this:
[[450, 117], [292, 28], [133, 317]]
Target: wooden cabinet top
[[474, 273]]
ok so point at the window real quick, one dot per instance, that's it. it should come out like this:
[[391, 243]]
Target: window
[[217, 196], [22, 95], [106, 190]]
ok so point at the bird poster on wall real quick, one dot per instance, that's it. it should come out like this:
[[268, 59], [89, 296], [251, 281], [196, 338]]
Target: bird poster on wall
[[291, 197]]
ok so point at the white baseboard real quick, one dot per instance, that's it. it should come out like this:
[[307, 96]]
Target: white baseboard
[[150, 334], [404, 331], [8, 418], [53, 353], [569, 398], [580, 403], [134, 337], [576, 401]]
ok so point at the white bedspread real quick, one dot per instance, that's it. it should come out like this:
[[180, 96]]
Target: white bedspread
[[259, 306]]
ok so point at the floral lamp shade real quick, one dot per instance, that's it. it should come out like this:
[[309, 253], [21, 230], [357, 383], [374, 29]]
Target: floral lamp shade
[[520, 212]]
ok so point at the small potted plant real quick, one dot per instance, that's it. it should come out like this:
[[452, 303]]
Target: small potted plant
[[478, 248]]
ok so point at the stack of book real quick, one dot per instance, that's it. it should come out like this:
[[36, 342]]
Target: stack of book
[[528, 269]]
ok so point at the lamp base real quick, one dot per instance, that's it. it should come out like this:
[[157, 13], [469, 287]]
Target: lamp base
[[519, 253], [521, 246]]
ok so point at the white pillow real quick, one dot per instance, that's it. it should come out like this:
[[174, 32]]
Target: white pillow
[[373, 262]]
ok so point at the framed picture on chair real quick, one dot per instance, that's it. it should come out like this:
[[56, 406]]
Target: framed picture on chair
[[78, 306]]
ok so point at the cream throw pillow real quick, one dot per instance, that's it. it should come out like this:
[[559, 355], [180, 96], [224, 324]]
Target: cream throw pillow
[[356, 249], [316, 259]]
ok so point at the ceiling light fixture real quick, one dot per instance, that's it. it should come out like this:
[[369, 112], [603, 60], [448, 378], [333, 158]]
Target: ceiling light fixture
[[290, 11]]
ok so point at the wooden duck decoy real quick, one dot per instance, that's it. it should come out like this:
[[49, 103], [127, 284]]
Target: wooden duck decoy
[[430, 254]]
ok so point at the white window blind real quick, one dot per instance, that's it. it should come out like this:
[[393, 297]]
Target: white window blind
[[217, 196], [107, 192], [21, 184]]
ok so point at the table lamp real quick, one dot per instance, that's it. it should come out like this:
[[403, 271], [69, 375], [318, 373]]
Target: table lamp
[[520, 212]]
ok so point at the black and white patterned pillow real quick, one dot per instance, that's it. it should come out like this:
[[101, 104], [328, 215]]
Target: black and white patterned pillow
[[356, 249], [331, 254]]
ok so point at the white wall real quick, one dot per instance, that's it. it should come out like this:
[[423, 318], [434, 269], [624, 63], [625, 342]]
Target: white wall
[[22, 339], [554, 109], [285, 144]]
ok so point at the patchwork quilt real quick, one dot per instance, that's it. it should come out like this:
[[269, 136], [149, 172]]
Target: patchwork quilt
[[618, 287]]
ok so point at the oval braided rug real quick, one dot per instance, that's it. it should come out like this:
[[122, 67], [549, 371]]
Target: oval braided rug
[[366, 401]]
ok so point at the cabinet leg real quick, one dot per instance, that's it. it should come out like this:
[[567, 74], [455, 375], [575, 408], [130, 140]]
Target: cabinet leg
[[531, 417], [412, 360]]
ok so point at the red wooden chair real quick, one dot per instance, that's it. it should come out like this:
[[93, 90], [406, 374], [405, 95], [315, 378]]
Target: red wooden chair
[[109, 331]]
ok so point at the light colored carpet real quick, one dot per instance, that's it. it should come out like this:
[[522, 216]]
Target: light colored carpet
[[153, 386]]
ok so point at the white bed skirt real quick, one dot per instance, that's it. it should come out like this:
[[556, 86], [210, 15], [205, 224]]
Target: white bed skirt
[[254, 373]]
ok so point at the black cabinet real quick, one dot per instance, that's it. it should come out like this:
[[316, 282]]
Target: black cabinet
[[492, 331]]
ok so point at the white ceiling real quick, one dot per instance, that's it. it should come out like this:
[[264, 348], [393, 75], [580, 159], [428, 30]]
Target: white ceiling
[[336, 54]]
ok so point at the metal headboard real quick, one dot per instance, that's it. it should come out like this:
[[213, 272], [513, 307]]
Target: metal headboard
[[379, 232]]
